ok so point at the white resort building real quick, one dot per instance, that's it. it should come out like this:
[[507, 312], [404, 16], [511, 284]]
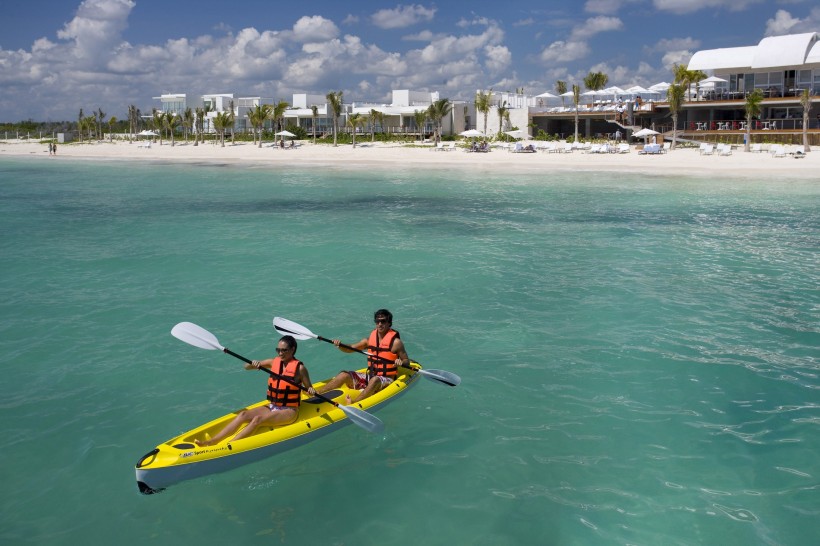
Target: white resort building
[[780, 67]]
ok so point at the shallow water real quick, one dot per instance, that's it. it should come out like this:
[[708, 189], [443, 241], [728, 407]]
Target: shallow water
[[639, 354]]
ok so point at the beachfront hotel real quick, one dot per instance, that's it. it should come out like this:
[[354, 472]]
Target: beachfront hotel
[[781, 67]]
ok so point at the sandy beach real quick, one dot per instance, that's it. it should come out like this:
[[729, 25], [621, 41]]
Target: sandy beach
[[681, 161]]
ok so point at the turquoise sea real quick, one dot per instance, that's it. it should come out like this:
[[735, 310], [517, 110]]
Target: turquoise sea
[[640, 355]]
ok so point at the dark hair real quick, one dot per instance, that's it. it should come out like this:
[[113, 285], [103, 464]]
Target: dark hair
[[384, 313], [290, 341]]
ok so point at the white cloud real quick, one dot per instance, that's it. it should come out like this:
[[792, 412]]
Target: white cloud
[[596, 25], [782, 23], [314, 29], [562, 52], [576, 47], [499, 58], [691, 6], [402, 16]]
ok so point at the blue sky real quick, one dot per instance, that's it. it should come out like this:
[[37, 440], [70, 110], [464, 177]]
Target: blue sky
[[57, 56]]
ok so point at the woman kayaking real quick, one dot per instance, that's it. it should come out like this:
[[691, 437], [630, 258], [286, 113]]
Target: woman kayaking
[[283, 394]]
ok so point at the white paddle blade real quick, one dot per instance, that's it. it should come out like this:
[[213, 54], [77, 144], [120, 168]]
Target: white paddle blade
[[289, 328], [442, 376], [369, 422], [197, 336]]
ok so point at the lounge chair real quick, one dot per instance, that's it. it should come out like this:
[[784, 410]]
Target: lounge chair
[[724, 149], [756, 148], [709, 149], [623, 148], [666, 147], [778, 151], [439, 147]]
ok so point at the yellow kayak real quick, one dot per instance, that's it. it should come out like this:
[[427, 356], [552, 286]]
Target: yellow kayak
[[181, 459]]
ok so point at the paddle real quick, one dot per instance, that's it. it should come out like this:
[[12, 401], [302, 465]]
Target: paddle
[[285, 326], [199, 337]]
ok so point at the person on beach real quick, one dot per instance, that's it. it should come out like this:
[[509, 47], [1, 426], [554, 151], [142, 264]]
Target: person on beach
[[54, 148], [283, 396], [387, 353], [50, 149]]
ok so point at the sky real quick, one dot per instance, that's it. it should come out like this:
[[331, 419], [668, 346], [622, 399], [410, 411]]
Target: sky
[[57, 56]]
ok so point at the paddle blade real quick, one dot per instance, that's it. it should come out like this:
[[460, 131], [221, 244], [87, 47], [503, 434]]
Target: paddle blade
[[369, 422], [289, 328], [441, 376], [195, 335]]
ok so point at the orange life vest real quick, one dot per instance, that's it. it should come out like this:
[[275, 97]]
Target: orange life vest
[[280, 392], [382, 349]]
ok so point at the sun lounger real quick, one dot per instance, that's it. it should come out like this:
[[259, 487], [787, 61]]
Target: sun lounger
[[778, 151], [756, 148], [709, 149], [724, 149], [623, 148]]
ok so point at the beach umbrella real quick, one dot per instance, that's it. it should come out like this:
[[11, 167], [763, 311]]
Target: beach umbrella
[[638, 90], [284, 134], [712, 80], [146, 132], [471, 133], [660, 87], [546, 95], [646, 132], [518, 133]]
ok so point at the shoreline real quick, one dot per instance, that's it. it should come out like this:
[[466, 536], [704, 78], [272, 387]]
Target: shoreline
[[386, 156]]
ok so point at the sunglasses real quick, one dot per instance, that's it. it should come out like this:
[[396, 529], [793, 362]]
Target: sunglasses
[[381, 321], [280, 351]]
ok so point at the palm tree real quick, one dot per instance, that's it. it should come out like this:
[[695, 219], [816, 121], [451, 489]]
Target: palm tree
[[561, 88], [80, 119], [199, 115], [334, 99], [375, 116], [171, 122], [753, 101], [232, 124], [187, 122], [687, 77], [421, 117], [278, 114], [315, 110], [158, 122], [595, 81], [805, 102], [100, 120], [483, 101], [674, 96], [576, 99], [221, 122], [437, 111], [111, 123], [257, 117], [355, 120], [503, 114]]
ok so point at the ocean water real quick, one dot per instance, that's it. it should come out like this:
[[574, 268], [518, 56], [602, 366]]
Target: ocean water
[[639, 355]]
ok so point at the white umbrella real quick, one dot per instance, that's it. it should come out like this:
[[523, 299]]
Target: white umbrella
[[518, 133], [284, 133], [471, 133], [146, 132], [546, 95], [567, 94], [660, 87], [637, 90], [713, 80], [643, 133]]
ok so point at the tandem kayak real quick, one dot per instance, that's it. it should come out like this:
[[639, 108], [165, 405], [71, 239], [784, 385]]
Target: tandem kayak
[[181, 459]]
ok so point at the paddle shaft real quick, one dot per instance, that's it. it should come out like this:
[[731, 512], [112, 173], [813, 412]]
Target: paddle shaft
[[277, 376], [354, 349]]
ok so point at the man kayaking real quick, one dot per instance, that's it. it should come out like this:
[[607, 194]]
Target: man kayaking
[[387, 353], [283, 397]]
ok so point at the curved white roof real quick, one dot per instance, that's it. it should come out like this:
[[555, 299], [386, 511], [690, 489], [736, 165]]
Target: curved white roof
[[778, 51], [814, 54], [772, 52], [720, 59]]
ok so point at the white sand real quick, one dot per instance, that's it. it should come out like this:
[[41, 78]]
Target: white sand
[[682, 161]]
